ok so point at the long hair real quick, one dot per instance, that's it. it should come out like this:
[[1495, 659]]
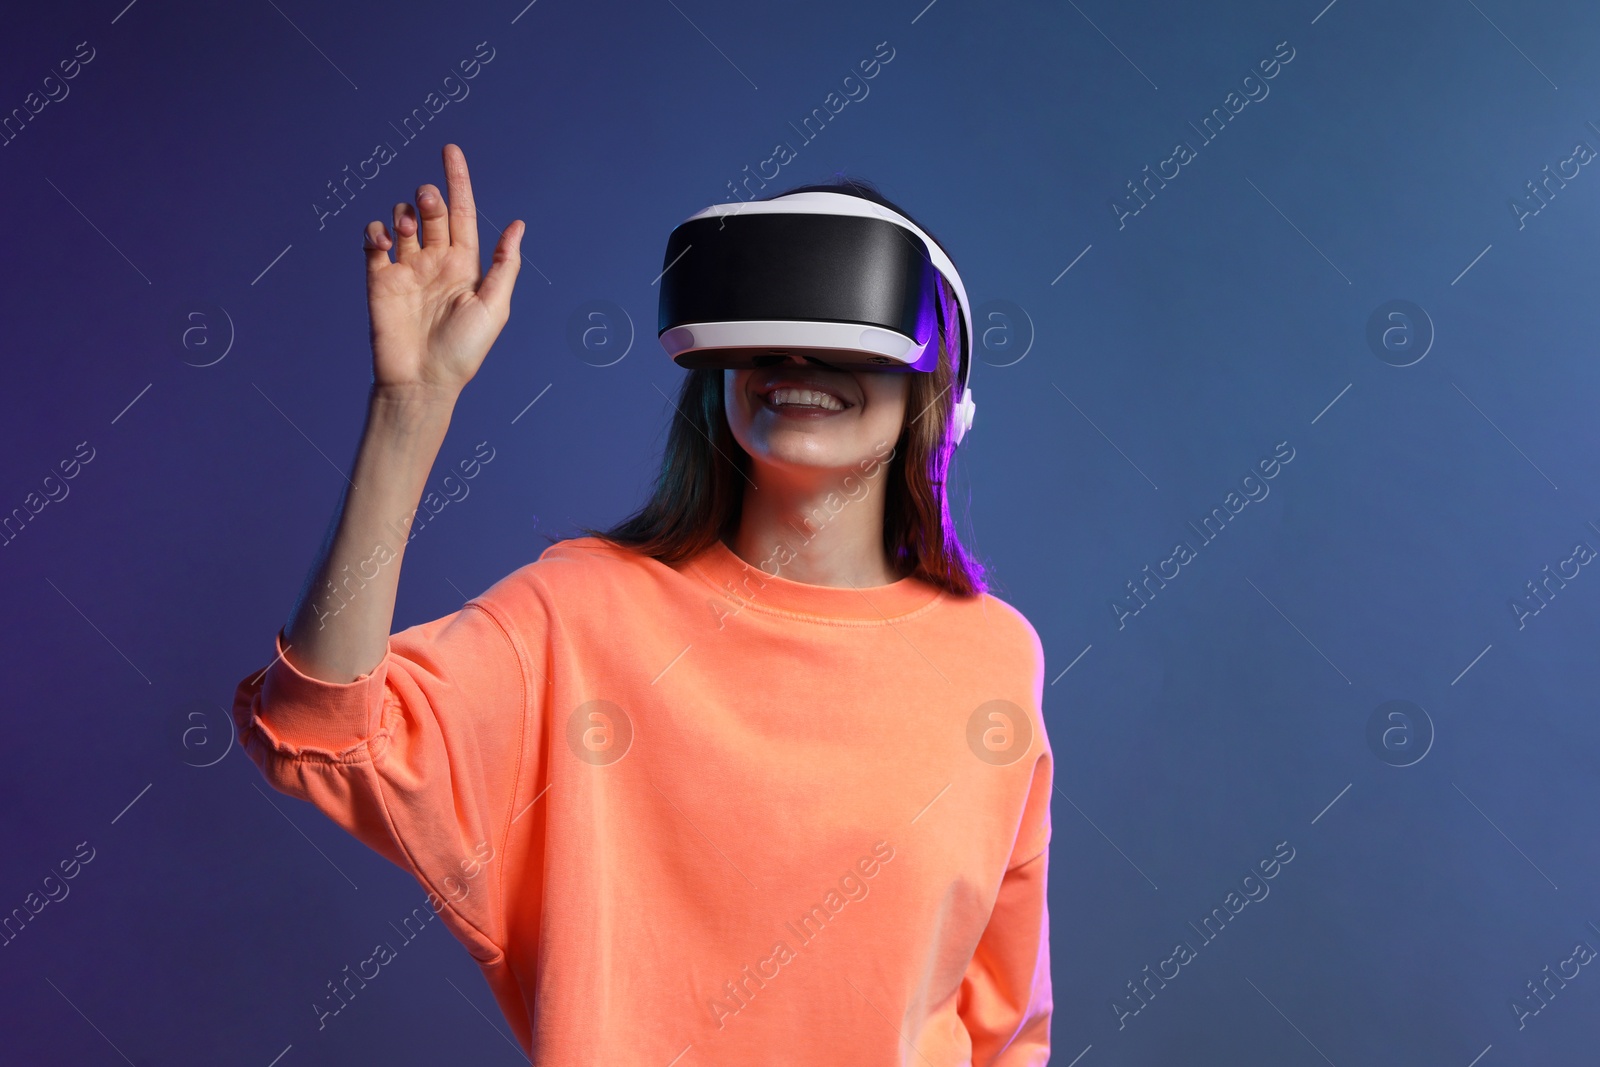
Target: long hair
[[698, 495]]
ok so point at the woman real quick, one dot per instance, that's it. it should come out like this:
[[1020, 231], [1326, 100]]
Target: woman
[[757, 776]]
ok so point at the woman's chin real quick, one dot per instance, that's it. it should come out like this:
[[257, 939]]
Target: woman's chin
[[809, 452]]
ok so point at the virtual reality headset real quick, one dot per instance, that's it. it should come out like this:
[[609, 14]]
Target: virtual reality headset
[[839, 279]]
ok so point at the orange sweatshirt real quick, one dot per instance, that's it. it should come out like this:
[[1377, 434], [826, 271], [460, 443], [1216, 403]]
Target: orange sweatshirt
[[704, 815]]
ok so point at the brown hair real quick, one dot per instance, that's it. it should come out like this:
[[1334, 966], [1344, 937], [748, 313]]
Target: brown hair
[[698, 495]]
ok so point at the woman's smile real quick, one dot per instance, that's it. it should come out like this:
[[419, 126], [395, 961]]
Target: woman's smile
[[801, 402], [801, 392]]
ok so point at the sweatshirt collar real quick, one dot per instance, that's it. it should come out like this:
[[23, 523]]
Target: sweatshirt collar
[[751, 588]]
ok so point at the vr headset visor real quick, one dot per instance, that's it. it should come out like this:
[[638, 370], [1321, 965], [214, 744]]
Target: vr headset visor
[[832, 277]]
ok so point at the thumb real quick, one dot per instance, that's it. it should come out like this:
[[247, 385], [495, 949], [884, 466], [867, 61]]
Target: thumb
[[496, 287]]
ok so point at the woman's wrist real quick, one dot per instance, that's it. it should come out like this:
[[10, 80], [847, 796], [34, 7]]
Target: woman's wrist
[[420, 397], [412, 408], [404, 431]]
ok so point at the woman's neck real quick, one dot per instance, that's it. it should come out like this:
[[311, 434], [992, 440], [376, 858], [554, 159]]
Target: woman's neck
[[823, 530]]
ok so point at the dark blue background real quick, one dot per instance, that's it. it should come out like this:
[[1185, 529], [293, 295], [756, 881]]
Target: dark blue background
[[1224, 318]]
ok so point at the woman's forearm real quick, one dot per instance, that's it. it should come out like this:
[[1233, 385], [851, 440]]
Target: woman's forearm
[[339, 628]]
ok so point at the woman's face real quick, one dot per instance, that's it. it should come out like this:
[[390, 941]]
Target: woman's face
[[778, 417]]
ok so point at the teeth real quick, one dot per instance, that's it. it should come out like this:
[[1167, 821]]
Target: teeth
[[804, 398]]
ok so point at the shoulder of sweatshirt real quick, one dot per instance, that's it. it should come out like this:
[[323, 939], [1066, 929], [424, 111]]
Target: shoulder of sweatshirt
[[1016, 632], [1010, 619], [589, 559], [568, 572]]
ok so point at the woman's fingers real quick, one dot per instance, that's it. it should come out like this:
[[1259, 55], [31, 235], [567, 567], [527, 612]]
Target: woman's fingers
[[463, 211], [434, 224], [495, 289], [405, 231], [377, 244], [435, 219]]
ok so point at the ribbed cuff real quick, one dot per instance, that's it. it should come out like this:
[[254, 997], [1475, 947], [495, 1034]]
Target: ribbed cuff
[[296, 711]]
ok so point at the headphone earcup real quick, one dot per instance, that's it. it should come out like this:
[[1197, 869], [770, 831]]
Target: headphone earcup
[[966, 408]]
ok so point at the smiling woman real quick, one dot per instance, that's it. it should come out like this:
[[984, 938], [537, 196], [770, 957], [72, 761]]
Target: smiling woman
[[660, 785], [724, 425]]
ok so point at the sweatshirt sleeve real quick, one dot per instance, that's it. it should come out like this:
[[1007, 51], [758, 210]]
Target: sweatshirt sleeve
[[420, 759], [1005, 1000]]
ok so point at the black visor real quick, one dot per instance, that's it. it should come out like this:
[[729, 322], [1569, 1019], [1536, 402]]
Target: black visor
[[797, 268]]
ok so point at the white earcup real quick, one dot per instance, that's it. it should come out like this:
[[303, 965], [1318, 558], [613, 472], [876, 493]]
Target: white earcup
[[962, 417]]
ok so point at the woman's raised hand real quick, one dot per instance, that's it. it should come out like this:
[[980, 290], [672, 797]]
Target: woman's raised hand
[[434, 312]]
